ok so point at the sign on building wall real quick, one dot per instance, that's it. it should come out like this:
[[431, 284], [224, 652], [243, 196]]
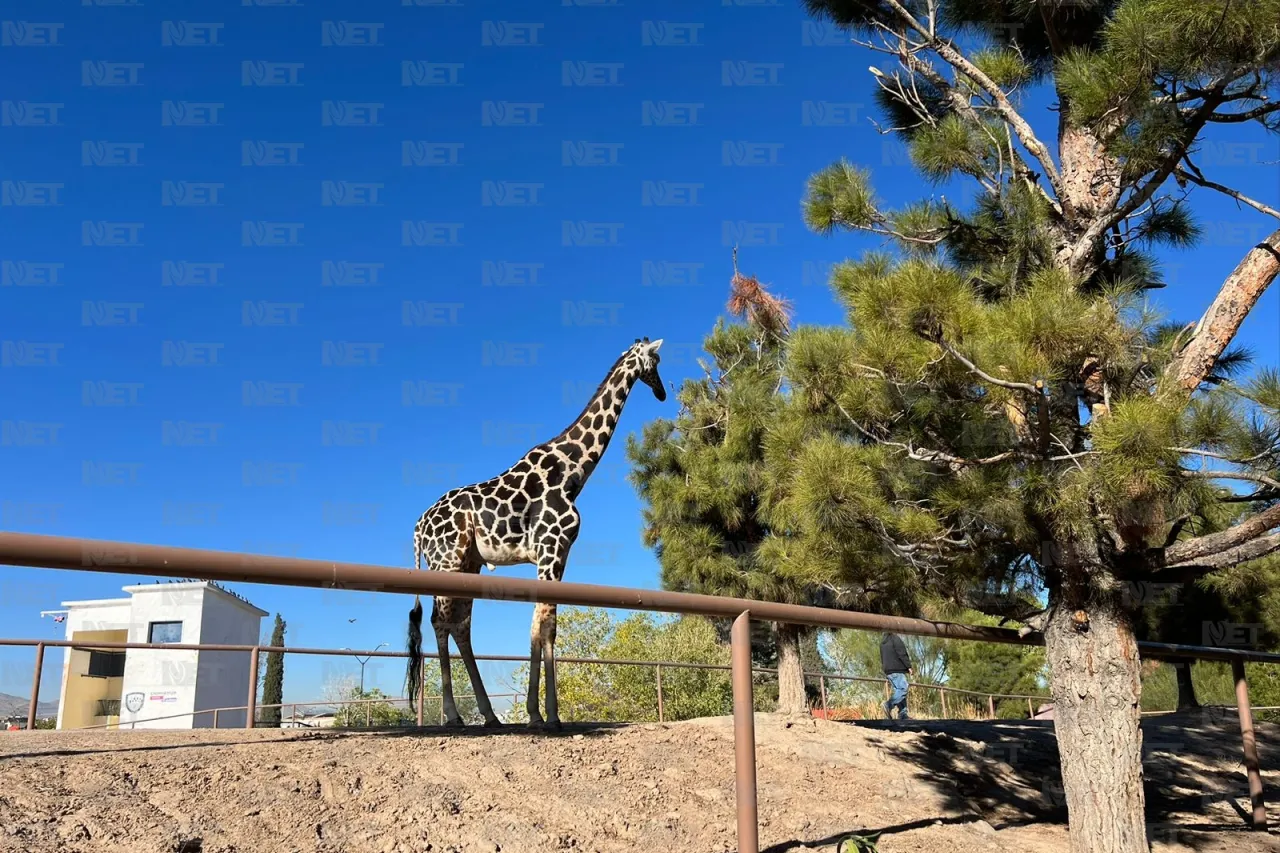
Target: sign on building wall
[[133, 702]]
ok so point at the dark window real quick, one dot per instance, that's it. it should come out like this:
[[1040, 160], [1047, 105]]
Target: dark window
[[108, 708], [106, 664], [165, 632]]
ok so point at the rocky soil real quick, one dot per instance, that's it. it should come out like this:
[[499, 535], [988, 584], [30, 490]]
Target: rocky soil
[[926, 786]]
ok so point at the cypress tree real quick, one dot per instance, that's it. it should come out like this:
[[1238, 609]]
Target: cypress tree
[[273, 683]]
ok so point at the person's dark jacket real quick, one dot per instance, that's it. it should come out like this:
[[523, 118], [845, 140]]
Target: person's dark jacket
[[893, 654]]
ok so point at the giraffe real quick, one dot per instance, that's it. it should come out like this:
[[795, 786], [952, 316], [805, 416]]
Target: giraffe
[[526, 514]]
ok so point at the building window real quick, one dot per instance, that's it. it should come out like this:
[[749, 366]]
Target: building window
[[108, 708], [106, 664], [165, 632]]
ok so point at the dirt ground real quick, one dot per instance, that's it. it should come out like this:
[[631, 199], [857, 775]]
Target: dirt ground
[[926, 786]]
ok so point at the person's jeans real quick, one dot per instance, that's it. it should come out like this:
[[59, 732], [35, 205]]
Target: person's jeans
[[898, 681]]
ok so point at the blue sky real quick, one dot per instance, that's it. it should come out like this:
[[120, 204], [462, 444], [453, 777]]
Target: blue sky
[[457, 215]]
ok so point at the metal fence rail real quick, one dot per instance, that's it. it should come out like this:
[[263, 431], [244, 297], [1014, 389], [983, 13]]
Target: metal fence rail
[[55, 552], [257, 650]]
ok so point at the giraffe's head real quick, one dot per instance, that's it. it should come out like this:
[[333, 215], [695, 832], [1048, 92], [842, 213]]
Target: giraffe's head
[[645, 353]]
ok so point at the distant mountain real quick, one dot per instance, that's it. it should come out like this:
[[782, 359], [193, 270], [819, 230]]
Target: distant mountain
[[11, 705]]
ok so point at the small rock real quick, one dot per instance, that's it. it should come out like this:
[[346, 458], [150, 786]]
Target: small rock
[[579, 737], [983, 827]]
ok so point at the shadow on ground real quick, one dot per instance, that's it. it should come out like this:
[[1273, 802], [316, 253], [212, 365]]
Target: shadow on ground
[[1194, 777]]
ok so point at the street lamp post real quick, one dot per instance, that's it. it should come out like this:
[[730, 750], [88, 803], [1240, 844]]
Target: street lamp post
[[362, 663]]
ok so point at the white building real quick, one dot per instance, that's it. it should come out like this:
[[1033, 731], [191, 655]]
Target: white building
[[129, 688]]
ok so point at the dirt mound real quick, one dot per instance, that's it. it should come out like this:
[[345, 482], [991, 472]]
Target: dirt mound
[[959, 787]]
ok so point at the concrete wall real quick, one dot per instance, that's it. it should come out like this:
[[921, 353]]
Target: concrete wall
[[223, 677], [166, 679]]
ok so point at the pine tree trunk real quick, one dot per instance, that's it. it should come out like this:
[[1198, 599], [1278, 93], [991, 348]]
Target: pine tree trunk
[[1096, 681], [791, 698], [1186, 689]]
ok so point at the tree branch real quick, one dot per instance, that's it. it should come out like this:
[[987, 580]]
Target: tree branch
[[1233, 475], [1248, 115], [984, 376], [1008, 607], [1226, 559], [928, 455], [1195, 451], [1003, 106], [1238, 196], [1007, 112], [1236, 298], [1210, 545]]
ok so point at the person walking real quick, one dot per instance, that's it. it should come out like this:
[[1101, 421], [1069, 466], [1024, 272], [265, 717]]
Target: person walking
[[897, 666]]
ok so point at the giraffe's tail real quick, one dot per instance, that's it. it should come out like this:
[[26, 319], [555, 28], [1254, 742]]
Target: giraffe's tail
[[413, 673]]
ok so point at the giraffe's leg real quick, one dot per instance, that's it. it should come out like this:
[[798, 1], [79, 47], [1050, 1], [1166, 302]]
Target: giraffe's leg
[[462, 636], [440, 619], [547, 630], [559, 530], [535, 668]]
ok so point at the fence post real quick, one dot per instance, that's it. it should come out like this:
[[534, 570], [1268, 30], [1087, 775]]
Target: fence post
[[991, 705], [942, 694], [251, 707], [215, 717], [1250, 745], [661, 716], [368, 710], [1031, 712], [744, 735], [35, 688], [822, 688]]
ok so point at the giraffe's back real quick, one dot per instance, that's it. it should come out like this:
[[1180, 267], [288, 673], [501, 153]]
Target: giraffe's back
[[499, 520]]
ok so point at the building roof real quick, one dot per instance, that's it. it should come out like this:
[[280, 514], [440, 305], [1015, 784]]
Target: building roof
[[97, 602], [156, 586]]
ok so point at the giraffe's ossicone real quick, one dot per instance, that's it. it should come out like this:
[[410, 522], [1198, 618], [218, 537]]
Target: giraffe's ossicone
[[526, 514]]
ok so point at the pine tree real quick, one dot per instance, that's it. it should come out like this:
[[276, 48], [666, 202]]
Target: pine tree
[[701, 476], [273, 684], [1010, 412]]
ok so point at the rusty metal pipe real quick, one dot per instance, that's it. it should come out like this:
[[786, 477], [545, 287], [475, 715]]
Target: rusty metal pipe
[[658, 671], [251, 705], [35, 688], [744, 736], [98, 555], [62, 552], [1250, 746]]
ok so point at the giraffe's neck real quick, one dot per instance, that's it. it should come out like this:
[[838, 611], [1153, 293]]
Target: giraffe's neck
[[584, 441]]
